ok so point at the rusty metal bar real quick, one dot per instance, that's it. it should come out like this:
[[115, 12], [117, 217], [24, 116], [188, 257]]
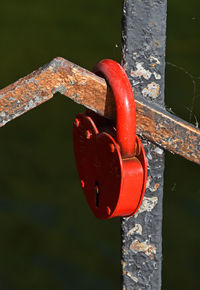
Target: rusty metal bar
[[89, 90]]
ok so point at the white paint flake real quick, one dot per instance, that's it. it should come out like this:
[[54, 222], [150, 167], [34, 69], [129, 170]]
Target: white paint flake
[[149, 156], [154, 188], [137, 229], [130, 275], [151, 185], [147, 205], [158, 150], [152, 90], [3, 114], [148, 181], [141, 72], [154, 59], [157, 76]]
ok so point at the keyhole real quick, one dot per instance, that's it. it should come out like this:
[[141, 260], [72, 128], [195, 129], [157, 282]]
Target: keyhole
[[97, 192]]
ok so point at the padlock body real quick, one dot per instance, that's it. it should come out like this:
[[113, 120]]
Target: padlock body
[[113, 186], [131, 187]]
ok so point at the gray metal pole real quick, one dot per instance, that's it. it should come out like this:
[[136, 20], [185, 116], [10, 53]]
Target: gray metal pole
[[144, 35]]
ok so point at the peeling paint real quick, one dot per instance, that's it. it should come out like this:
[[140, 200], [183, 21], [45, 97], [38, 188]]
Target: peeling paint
[[3, 114], [58, 76], [144, 27], [154, 188], [147, 205], [160, 127], [152, 90], [135, 55], [159, 151], [137, 229], [157, 76], [141, 72], [149, 157], [30, 105], [149, 179], [135, 279], [144, 247], [151, 185], [60, 89], [154, 59]]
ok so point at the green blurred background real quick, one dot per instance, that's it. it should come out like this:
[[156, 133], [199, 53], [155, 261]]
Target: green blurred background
[[49, 238]]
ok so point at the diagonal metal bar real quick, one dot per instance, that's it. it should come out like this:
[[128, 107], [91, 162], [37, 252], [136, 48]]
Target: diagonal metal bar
[[89, 90]]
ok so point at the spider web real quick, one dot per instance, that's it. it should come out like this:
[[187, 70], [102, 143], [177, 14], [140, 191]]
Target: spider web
[[195, 80]]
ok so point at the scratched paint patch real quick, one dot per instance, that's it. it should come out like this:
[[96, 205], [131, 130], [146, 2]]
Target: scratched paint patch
[[151, 185], [152, 90], [154, 60], [157, 76], [130, 275], [141, 72], [158, 150], [144, 247], [137, 229], [147, 205]]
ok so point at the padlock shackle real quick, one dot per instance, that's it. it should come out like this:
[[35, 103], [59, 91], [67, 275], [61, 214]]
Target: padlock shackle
[[125, 104]]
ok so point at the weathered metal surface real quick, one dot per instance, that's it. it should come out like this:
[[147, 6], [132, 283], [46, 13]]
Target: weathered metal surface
[[144, 29], [87, 89], [168, 131], [58, 76]]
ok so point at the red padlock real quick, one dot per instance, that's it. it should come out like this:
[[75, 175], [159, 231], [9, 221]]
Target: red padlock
[[110, 158]]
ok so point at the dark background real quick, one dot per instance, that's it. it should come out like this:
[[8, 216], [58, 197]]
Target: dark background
[[49, 238]]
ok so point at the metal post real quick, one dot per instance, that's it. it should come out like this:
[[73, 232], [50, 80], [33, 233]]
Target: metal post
[[144, 32]]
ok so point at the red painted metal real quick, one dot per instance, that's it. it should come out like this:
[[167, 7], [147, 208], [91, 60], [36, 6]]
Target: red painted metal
[[111, 161], [125, 104]]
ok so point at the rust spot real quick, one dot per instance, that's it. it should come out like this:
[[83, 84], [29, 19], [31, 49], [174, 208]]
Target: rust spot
[[87, 89], [154, 188], [144, 247]]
